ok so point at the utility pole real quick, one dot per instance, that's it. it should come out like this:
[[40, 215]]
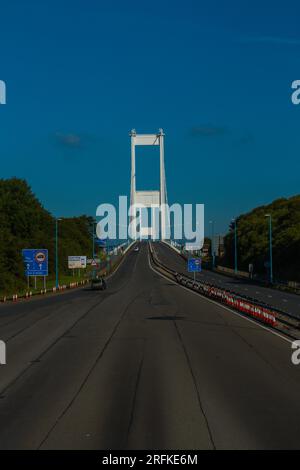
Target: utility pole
[[94, 224], [235, 246], [93, 237], [269, 216], [56, 253], [212, 222]]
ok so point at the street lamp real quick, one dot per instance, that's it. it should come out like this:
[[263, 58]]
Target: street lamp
[[94, 223], [270, 246], [235, 246], [56, 252], [212, 222]]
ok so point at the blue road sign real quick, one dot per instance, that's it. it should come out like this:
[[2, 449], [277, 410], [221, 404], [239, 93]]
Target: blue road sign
[[35, 262], [100, 242], [194, 265]]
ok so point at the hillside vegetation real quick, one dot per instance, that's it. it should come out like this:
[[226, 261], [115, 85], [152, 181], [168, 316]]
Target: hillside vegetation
[[24, 223], [253, 239]]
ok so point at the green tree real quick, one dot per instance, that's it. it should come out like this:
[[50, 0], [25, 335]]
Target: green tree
[[24, 223], [253, 239]]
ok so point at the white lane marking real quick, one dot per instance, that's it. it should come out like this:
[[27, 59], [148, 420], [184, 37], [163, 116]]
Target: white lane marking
[[220, 305]]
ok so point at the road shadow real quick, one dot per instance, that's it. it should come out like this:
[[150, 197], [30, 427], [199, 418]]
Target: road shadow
[[166, 318]]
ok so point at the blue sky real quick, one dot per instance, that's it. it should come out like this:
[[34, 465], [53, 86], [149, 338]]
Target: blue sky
[[216, 76]]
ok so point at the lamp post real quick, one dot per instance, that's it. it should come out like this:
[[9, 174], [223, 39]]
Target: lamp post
[[56, 252], [94, 223], [235, 247], [93, 235], [108, 260], [269, 216], [212, 222]]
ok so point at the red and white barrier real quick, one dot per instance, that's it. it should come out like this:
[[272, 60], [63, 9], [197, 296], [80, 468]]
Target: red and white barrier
[[233, 301]]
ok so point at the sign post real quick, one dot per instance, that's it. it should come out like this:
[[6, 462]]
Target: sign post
[[35, 264], [194, 266]]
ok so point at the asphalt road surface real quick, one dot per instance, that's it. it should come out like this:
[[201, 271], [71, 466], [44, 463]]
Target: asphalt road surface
[[144, 365], [284, 301]]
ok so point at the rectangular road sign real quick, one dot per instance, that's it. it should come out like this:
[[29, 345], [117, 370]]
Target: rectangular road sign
[[194, 265], [76, 262], [100, 242], [35, 261]]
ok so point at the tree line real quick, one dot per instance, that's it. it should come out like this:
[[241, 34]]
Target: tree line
[[253, 240], [25, 223]]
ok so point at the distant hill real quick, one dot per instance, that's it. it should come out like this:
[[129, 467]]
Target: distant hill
[[253, 239], [24, 223]]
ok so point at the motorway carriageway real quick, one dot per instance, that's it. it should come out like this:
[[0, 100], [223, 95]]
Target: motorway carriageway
[[146, 364], [285, 301]]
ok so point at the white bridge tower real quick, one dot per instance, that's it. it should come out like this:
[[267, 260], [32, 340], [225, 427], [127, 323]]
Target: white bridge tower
[[150, 199]]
